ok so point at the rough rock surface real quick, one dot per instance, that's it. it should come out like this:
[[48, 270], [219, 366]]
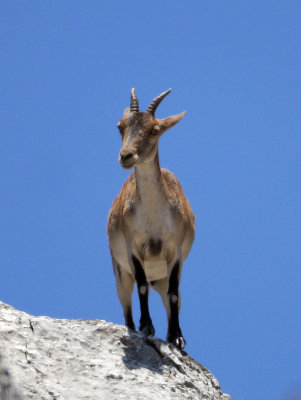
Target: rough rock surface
[[46, 358]]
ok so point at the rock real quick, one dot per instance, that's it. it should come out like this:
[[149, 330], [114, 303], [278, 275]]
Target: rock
[[8, 389], [47, 359]]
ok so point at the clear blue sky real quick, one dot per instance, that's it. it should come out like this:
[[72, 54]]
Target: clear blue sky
[[66, 71]]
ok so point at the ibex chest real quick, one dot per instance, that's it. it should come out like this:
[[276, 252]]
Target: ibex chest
[[153, 221]]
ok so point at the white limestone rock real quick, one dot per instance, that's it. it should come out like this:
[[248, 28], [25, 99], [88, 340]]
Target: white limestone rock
[[47, 359]]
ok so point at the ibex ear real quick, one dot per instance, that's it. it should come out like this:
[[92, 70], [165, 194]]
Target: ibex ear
[[169, 122], [126, 111]]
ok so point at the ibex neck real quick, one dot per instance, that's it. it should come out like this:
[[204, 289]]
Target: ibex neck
[[149, 180]]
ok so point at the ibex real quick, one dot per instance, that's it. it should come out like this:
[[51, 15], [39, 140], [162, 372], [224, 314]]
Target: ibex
[[151, 224]]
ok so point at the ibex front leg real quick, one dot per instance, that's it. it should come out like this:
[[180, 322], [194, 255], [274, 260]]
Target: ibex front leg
[[174, 334], [146, 324]]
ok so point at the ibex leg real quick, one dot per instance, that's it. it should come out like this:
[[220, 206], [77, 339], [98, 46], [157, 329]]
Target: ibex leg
[[146, 324], [124, 284]]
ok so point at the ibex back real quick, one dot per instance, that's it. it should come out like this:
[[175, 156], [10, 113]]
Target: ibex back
[[151, 224]]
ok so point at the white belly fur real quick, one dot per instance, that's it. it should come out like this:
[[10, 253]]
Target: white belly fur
[[155, 268]]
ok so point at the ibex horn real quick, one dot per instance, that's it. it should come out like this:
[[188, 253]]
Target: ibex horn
[[134, 101], [154, 104]]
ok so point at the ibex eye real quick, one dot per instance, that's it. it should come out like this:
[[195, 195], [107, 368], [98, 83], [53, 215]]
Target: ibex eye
[[155, 131]]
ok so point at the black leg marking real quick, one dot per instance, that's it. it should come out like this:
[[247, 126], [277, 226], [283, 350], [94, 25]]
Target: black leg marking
[[139, 272], [143, 289], [129, 322], [174, 334], [174, 279]]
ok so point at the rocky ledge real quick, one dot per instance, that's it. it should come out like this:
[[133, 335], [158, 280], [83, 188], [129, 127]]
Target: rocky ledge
[[45, 359]]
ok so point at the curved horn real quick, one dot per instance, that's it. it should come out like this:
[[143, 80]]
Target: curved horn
[[154, 104], [134, 101]]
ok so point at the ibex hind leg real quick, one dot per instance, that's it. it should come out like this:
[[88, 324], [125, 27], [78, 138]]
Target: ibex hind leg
[[174, 334], [125, 284], [168, 288], [146, 325]]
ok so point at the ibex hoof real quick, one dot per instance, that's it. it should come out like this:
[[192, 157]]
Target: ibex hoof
[[147, 330], [177, 340]]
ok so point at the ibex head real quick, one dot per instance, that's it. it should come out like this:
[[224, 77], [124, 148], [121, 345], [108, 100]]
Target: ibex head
[[140, 131]]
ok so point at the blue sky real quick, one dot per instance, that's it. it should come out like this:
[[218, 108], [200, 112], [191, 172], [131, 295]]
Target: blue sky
[[66, 72]]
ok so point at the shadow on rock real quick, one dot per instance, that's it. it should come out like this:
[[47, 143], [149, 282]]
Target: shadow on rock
[[149, 352], [7, 388]]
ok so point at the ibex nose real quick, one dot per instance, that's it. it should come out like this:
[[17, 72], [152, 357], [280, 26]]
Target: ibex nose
[[126, 155]]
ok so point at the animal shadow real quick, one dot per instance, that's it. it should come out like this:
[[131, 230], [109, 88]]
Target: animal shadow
[[149, 352]]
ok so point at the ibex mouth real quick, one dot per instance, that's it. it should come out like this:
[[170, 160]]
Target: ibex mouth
[[128, 166]]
